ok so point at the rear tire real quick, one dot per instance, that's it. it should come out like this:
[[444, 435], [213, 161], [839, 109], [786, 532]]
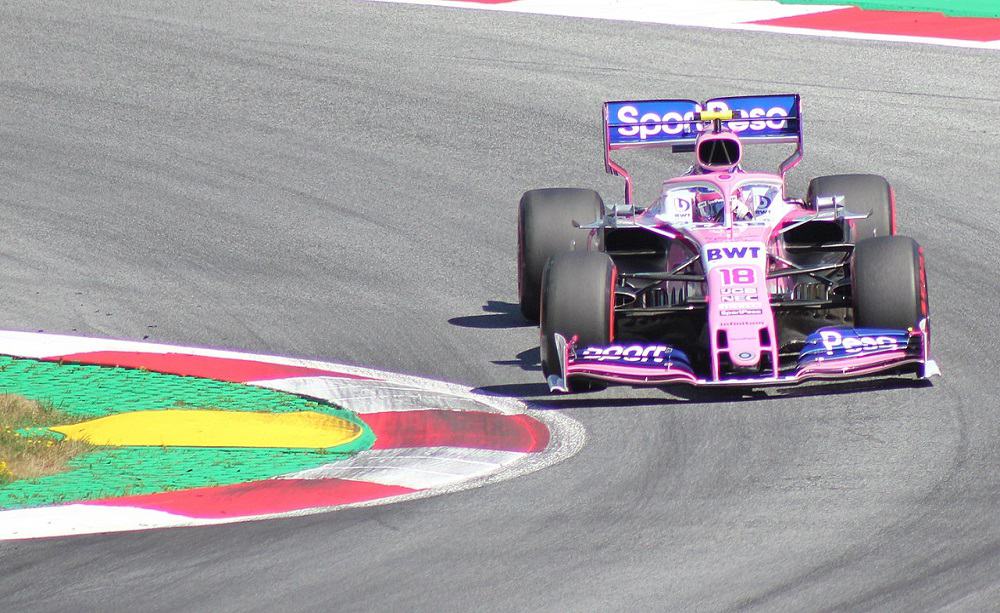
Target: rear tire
[[544, 229], [889, 283], [577, 300], [862, 193]]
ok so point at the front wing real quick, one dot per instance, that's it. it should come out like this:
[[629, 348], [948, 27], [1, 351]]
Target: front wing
[[829, 353]]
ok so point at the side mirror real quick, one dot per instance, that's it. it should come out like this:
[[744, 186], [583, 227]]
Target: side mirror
[[828, 206], [835, 207]]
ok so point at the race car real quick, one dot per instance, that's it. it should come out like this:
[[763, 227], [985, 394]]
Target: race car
[[724, 279]]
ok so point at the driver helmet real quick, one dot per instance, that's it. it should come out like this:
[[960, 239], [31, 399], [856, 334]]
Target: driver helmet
[[709, 205]]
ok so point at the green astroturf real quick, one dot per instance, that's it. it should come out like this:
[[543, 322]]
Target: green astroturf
[[88, 392]]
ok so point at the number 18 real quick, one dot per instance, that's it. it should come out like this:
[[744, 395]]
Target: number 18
[[738, 276]]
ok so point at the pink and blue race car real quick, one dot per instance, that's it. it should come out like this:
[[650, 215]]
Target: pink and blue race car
[[724, 279]]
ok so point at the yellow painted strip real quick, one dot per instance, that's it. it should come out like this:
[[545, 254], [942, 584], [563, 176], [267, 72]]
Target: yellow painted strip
[[206, 428]]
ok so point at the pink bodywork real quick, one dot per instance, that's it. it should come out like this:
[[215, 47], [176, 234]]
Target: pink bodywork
[[744, 325], [668, 374], [742, 331], [741, 328]]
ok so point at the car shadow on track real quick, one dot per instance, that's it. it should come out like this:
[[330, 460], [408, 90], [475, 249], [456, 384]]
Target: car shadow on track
[[537, 395], [498, 315], [851, 387], [503, 315], [529, 359]]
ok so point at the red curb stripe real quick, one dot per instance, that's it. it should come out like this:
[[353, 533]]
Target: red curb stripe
[[221, 369], [468, 429], [936, 25], [258, 498]]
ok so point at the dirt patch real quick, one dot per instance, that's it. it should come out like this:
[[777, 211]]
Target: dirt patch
[[27, 456]]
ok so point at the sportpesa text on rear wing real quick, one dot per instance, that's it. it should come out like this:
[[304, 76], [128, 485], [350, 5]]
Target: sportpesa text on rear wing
[[635, 124]]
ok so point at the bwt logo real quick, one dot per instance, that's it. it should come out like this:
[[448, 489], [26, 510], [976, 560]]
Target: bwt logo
[[731, 253], [670, 124], [834, 341], [633, 353]]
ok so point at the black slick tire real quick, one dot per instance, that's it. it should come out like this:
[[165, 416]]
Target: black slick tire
[[545, 229], [889, 283], [862, 193], [577, 300]]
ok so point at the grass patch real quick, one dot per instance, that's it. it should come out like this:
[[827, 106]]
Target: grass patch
[[24, 457]]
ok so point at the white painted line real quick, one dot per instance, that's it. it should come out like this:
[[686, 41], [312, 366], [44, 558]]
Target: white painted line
[[675, 12], [41, 345], [418, 468], [82, 519], [720, 14], [377, 396]]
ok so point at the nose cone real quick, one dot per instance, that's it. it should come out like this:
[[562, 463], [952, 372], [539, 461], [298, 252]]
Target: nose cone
[[718, 150]]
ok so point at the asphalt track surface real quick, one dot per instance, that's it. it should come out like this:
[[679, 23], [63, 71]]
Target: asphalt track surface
[[339, 179]]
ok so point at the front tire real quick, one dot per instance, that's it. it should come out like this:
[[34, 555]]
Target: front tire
[[545, 229], [862, 193], [889, 283], [577, 300]]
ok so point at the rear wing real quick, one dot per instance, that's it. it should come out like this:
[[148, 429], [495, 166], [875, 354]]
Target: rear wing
[[640, 124]]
